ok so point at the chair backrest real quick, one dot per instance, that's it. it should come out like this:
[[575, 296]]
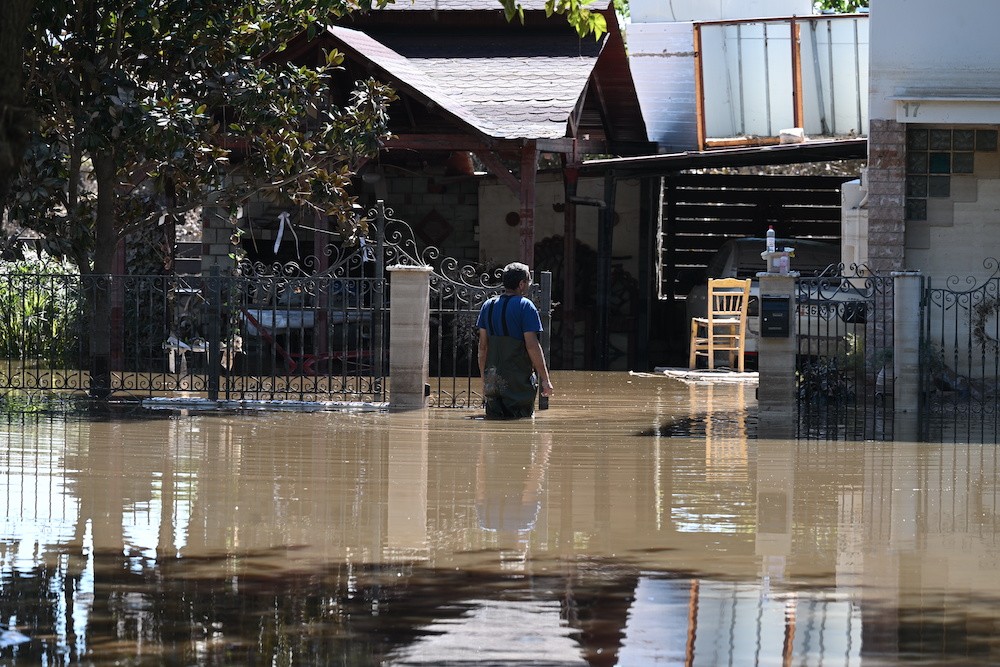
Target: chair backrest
[[728, 298]]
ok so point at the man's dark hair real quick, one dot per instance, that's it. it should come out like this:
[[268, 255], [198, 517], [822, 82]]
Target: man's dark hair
[[514, 273]]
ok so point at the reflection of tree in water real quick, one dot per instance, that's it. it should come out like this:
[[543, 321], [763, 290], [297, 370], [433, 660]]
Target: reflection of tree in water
[[141, 611], [622, 298]]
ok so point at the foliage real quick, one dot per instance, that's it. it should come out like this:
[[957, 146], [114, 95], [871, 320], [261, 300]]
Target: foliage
[[148, 108], [40, 311], [840, 6], [833, 378], [585, 20]]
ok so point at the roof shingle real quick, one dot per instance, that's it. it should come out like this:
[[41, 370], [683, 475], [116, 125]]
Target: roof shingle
[[511, 88]]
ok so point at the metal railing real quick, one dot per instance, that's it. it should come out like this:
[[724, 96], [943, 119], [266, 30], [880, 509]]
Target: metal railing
[[216, 337], [960, 359], [845, 351]]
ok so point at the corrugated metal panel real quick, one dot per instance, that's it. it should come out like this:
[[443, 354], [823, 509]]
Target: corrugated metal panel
[[661, 57]]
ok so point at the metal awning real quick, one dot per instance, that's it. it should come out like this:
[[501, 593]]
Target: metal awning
[[655, 165]]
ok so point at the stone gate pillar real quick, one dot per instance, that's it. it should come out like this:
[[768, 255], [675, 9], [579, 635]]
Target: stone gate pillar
[[777, 403], [906, 347], [409, 336]]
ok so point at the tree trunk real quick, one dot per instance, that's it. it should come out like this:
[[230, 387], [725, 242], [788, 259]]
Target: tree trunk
[[101, 281], [16, 122]]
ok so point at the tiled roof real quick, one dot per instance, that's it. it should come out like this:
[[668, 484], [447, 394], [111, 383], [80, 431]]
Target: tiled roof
[[511, 87]]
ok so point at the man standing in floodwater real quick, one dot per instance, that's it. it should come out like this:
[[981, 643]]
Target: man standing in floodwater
[[511, 361]]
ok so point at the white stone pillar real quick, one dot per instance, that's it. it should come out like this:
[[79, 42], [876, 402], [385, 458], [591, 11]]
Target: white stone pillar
[[777, 403], [409, 336], [906, 343]]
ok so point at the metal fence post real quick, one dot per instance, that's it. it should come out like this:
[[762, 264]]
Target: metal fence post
[[545, 299], [213, 332], [378, 316]]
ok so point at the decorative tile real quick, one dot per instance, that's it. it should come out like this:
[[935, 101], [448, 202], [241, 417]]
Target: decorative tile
[[916, 209], [916, 139], [964, 188], [433, 228], [939, 186], [963, 163], [916, 186], [986, 140], [918, 236], [940, 213], [987, 164], [916, 162], [940, 140], [939, 163]]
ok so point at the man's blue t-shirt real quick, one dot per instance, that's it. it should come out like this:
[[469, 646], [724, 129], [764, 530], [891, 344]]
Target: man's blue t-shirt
[[521, 316]]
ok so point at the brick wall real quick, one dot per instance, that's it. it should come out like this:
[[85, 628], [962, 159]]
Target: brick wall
[[886, 195]]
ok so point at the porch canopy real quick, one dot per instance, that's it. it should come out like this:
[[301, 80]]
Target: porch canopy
[[649, 169]]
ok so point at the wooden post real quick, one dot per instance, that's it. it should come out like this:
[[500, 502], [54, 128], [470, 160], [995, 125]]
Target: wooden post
[[605, 239], [797, 111], [568, 310], [529, 168], [699, 88]]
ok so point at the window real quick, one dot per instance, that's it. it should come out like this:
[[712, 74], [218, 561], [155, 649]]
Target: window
[[933, 155]]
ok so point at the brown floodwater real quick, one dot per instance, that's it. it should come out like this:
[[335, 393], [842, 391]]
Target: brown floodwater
[[638, 521]]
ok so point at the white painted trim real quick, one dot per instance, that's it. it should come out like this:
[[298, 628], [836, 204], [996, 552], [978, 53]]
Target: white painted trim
[[942, 109]]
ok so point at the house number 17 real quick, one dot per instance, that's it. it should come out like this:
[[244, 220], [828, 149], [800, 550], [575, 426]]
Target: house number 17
[[910, 109]]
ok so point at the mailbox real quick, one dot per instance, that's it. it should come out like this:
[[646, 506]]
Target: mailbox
[[775, 316]]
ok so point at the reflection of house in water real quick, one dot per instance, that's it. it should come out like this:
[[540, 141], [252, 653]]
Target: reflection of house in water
[[829, 552], [501, 632]]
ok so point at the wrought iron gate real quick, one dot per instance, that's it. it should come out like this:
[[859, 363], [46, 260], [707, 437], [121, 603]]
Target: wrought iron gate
[[239, 338], [313, 330], [960, 359], [844, 354], [458, 291]]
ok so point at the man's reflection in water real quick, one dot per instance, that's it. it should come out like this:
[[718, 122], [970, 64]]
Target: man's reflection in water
[[510, 476]]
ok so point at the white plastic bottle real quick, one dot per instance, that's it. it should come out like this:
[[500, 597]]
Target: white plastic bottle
[[770, 238]]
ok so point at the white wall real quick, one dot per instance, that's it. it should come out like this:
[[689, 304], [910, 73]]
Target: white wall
[[500, 242], [932, 46], [661, 11]]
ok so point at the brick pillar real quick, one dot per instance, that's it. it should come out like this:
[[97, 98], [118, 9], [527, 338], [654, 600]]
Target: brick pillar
[[886, 195], [409, 336], [886, 206]]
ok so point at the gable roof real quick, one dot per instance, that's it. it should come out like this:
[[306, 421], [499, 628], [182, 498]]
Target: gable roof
[[505, 88], [471, 71]]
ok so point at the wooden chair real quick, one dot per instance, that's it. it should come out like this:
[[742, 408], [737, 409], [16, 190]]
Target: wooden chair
[[725, 326]]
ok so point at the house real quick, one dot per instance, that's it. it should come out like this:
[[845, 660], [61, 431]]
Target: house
[[716, 90], [492, 122], [496, 129], [933, 179]]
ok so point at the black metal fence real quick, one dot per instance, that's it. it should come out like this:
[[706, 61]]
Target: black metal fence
[[960, 359], [454, 365], [845, 346], [218, 337], [312, 330]]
